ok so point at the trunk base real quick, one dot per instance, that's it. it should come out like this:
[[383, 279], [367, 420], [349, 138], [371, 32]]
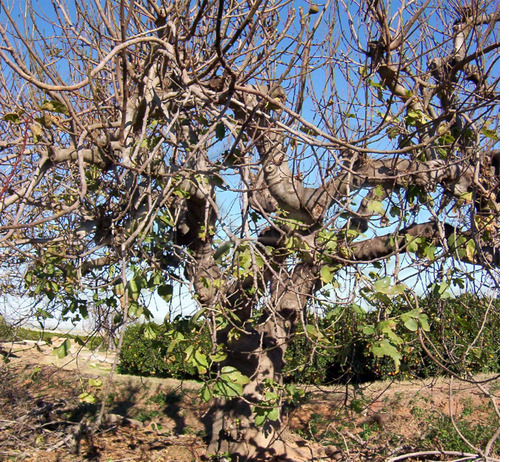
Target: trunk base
[[287, 449]]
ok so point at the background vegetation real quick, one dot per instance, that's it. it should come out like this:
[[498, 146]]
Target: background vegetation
[[464, 332], [455, 331]]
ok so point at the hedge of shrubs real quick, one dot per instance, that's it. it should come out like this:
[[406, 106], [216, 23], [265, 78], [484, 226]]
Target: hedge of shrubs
[[464, 334], [346, 355], [150, 350]]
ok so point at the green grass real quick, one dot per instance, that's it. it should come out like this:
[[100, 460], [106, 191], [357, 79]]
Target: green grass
[[443, 435]]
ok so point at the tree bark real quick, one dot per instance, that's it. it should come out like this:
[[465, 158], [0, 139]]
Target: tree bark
[[258, 353]]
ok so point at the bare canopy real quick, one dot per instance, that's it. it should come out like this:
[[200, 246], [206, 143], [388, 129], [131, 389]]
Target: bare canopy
[[256, 151]]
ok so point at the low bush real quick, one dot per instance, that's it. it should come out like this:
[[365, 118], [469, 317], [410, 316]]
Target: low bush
[[464, 334], [150, 350]]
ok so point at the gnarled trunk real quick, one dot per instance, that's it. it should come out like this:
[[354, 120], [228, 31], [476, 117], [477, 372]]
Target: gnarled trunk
[[258, 356], [258, 353]]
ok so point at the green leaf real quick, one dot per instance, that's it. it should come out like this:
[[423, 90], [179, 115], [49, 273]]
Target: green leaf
[[87, 398], [368, 330], [307, 130], [379, 191], [96, 383], [165, 291], [464, 323], [134, 288], [314, 332], [388, 328], [294, 393], [326, 274], [55, 106], [397, 289], [376, 207], [492, 134], [206, 393], [393, 132], [196, 357], [12, 117], [244, 259], [218, 357], [264, 413], [442, 290], [260, 418], [222, 250], [36, 131], [412, 243], [119, 289], [358, 309], [429, 252], [227, 389], [470, 250], [135, 309], [382, 285], [423, 321], [231, 374], [385, 348], [46, 120], [183, 194], [313, 9], [383, 288], [149, 332], [412, 324], [63, 350], [273, 414]]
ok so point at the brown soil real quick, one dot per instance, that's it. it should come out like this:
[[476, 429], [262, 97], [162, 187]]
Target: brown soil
[[43, 418]]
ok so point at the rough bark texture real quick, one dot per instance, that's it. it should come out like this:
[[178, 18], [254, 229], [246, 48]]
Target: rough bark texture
[[259, 354]]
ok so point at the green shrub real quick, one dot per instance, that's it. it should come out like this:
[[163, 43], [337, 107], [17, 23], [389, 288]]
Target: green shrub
[[343, 358], [6, 331], [149, 350], [456, 335], [95, 342], [464, 333]]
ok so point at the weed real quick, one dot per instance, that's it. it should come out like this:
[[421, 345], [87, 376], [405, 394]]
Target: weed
[[369, 429], [468, 408], [145, 415], [162, 398], [188, 431], [442, 434], [494, 386], [418, 412]]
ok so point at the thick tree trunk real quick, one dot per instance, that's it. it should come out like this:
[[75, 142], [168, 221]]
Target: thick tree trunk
[[259, 356], [258, 353]]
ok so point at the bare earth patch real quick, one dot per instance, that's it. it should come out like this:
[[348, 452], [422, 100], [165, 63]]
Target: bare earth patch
[[49, 408]]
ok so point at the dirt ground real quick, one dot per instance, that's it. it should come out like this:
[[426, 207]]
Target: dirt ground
[[49, 408]]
